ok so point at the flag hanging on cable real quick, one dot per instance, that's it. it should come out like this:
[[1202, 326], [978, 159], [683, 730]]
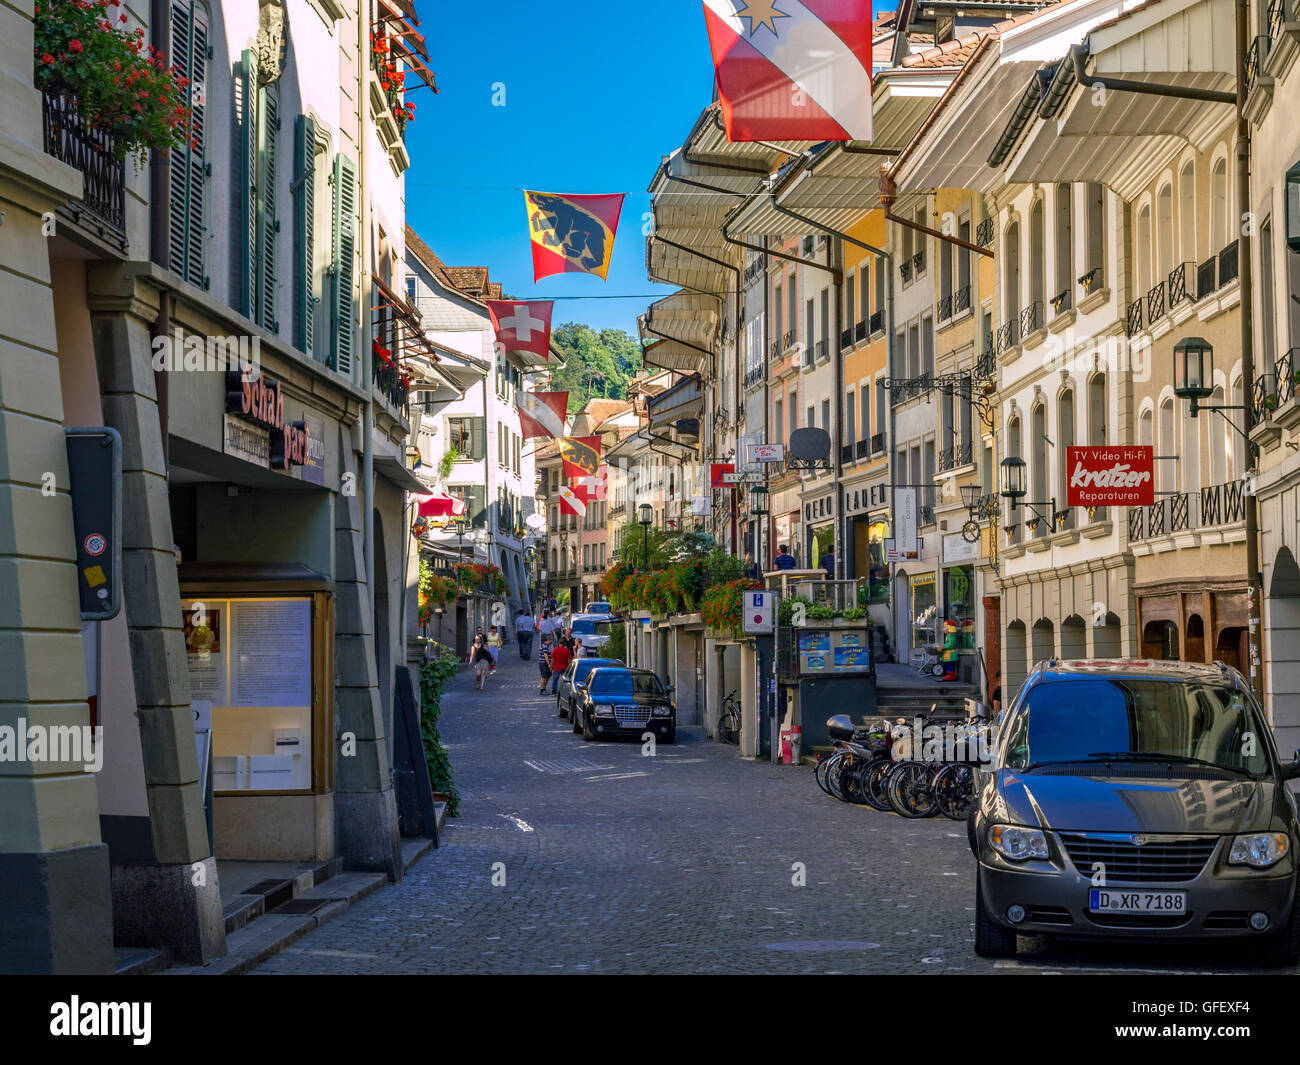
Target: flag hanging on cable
[[522, 325], [572, 234], [581, 455], [792, 70], [571, 502], [592, 489], [542, 413]]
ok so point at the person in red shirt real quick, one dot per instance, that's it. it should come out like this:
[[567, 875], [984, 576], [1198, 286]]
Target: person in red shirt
[[560, 659]]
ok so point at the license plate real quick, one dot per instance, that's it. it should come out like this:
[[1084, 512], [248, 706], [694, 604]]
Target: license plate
[[1111, 900]]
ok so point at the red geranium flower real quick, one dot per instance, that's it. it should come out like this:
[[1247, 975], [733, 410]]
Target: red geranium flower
[[74, 45]]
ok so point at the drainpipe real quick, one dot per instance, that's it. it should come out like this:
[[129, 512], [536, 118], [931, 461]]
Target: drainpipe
[[1254, 581], [1079, 57], [363, 241], [887, 197]]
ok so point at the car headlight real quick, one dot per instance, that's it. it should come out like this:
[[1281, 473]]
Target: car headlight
[[661, 711], [603, 710], [1017, 843], [1259, 849]]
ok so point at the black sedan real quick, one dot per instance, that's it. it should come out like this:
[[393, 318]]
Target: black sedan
[[625, 702], [572, 681]]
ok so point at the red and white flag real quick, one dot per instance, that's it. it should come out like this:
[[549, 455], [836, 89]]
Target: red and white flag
[[571, 502], [580, 455], [592, 489], [522, 325], [792, 70], [541, 413]]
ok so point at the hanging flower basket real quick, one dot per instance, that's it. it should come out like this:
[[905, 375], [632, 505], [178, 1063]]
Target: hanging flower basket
[[110, 76]]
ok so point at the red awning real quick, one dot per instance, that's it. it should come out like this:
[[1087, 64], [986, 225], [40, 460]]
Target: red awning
[[442, 506]]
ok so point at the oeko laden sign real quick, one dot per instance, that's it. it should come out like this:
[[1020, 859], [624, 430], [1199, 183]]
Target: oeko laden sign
[[1110, 476]]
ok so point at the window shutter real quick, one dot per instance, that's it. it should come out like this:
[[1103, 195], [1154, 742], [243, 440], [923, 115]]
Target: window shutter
[[198, 155], [178, 167], [345, 202], [304, 216], [246, 102], [269, 226], [478, 505], [478, 439]]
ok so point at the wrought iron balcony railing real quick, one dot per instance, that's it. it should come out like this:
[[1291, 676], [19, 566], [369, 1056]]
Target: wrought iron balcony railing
[[846, 454], [1177, 284], [1223, 504], [68, 139], [1133, 318], [877, 322], [862, 449], [789, 339], [1228, 263], [918, 263], [943, 309], [1156, 303], [985, 366], [1254, 60], [1031, 318], [1006, 337], [1207, 274], [905, 270], [957, 455], [860, 331], [846, 338], [961, 300], [984, 233]]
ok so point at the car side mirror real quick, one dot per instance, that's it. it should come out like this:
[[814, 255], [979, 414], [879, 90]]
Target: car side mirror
[[1291, 769]]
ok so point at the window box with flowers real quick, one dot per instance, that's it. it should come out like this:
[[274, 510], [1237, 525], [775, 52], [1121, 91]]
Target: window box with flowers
[[391, 107], [108, 79], [476, 578]]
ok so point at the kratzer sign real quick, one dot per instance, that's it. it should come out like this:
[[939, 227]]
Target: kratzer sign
[[262, 401], [1110, 476]]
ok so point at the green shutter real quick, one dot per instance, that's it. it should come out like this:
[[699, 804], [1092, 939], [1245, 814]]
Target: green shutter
[[304, 216], [246, 102], [345, 205], [478, 505], [268, 129], [178, 162], [478, 439]]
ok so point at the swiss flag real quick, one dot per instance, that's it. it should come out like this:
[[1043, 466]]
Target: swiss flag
[[542, 413], [793, 70], [592, 489], [522, 325]]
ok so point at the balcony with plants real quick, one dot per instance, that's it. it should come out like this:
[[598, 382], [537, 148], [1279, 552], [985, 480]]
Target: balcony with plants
[[106, 94], [397, 52]]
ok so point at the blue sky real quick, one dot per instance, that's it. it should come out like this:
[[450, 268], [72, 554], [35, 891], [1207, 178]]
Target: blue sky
[[595, 94]]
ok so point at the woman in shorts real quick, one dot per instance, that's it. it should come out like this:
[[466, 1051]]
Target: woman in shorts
[[544, 663], [482, 660]]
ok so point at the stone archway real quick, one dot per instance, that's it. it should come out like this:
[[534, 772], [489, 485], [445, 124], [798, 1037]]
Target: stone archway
[[1016, 646], [1160, 641], [1194, 643], [1042, 641], [1283, 677], [1074, 637], [1107, 639]]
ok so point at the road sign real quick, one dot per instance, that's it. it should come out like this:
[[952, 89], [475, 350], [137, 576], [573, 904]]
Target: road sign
[[756, 611], [766, 452]]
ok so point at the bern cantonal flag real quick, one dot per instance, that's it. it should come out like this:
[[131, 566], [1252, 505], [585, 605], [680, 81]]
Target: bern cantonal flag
[[792, 70], [581, 455], [572, 234], [571, 502], [592, 489], [542, 413], [522, 325]]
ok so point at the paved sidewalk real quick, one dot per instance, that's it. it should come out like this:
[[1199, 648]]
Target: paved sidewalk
[[685, 862]]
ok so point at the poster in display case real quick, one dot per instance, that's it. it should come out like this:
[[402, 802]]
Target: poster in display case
[[251, 658]]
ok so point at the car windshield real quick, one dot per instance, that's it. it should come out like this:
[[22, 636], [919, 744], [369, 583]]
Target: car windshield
[[590, 627], [1123, 719], [622, 682], [583, 666]]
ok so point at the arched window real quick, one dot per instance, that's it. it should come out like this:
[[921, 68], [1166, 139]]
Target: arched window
[[1144, 267], [1038, 448], [1219, 454], [1218, 206], [1064, 283], [1097, 423], [1064, 439], [1095, 196], [1164, 234], [1166, 461], [1236, 443], [1013, 451], [1036, 264], [1011, 286], [1145, 428], [1187, 213]]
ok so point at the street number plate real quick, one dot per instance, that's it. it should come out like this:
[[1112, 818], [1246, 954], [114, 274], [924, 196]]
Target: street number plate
[[1112, 901]]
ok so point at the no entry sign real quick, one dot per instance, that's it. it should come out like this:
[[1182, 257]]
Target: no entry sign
[[1110, 476]]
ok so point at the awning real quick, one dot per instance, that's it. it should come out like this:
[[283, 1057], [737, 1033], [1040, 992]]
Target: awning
[[391, 469], [689, 317], [441, 506], [673, 355], [684, 400]]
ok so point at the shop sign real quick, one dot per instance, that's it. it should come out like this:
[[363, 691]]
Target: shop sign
[[313, 465], [905, 523], [957, 549], [247, 442], [262, 403], [765, 452], [1110, 476]]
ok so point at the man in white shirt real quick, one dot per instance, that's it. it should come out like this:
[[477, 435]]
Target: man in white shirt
[[524, 634]]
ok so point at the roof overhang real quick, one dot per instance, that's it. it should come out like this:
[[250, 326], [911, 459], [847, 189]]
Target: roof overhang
[[1123, 144], [691, 318], [684, 400], [675, 356]]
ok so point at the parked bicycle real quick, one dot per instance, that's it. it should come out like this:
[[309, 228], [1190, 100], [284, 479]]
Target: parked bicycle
[[729, 722]]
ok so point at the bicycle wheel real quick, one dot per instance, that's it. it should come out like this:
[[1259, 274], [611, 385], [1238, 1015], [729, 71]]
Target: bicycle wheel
[[911, 790], [819, 773], [851, 781], [729, 723], [873, 784], [954, 790], [834, 778]]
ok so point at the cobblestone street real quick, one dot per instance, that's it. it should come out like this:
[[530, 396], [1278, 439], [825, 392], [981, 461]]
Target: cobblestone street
[[678, 863]]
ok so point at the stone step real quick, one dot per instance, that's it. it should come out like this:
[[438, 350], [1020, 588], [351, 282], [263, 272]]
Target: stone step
[[139, 961]]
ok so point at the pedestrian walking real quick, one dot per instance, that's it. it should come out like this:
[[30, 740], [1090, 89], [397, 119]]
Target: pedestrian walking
[[494, 645], [784, 560], [524, 634], [482, 660], [828, 564], [544, 664], [560, 659]]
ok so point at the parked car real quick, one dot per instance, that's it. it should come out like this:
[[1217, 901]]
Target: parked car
[[592, 631], [1136, 799], [599, 607], [625, 702], [574, 678]]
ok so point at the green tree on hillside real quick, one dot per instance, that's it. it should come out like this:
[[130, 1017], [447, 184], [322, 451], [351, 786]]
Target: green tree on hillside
[[596, 364]]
